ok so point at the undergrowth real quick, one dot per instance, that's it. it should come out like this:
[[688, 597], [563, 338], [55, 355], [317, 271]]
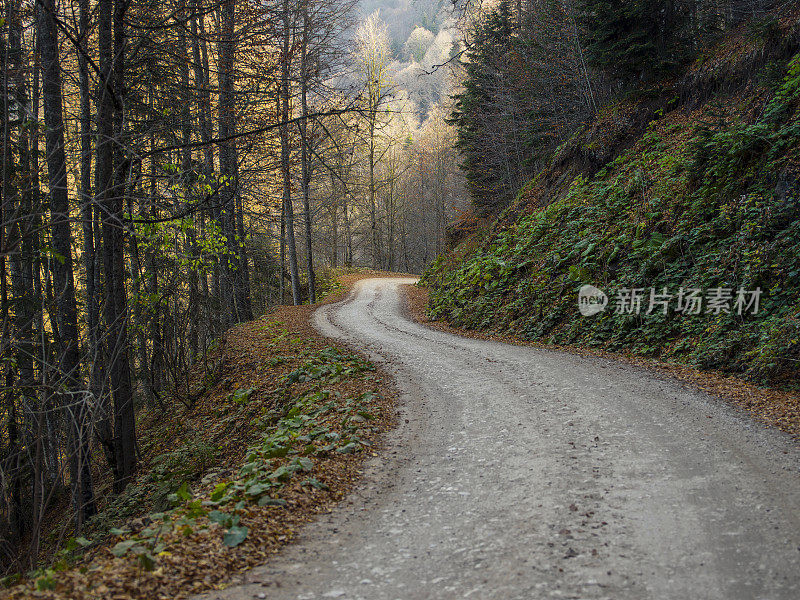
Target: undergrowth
[[706, 199], [308, 421]]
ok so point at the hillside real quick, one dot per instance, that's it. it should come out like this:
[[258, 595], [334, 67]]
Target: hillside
[[688, 183], [271, 432]]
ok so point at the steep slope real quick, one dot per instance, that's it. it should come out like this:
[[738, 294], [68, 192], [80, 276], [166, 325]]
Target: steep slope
[[271, 432], [690, 184]]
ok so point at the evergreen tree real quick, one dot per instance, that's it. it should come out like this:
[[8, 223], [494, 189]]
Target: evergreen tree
[[483, 144], [525, 89], [635, 39]]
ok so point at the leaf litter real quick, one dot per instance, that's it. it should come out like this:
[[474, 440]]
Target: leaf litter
[[292, 417]]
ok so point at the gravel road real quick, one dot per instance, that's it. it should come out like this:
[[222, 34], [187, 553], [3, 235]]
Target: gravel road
[[520, 473]]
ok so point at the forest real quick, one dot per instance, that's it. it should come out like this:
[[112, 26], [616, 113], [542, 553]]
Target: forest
[[173, 169], [658, 152], [170, 170]]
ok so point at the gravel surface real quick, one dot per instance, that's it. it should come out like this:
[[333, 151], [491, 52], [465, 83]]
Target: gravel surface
[[521, 473]]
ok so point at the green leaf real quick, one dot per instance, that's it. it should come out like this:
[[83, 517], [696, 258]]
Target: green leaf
[[282, 473], [242, 395], [313, 482], [348, 448], [257, 489], [53, 254], [306, 463], [220, 518], [235, 536], [219, 492], [183, 492], [46, 583], [267, 501], [122, 547], [276, 452], [147, 561]]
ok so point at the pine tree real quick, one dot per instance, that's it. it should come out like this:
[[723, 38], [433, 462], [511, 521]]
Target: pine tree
[[525, 88], [636, 39], [489, 188]]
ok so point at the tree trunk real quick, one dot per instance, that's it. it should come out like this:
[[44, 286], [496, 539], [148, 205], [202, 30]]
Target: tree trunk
[[188, 178], [334, 224], [227, 159], [109, 187], [201, 78], [373, 224], [306, 168], [288, 210], [75, 410]]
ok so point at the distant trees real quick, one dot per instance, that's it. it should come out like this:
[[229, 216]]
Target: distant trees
[[418, 43], [418, 191], [373, 64], [534, 72]]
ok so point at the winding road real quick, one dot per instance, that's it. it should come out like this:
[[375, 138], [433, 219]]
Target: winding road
[[521, 473]]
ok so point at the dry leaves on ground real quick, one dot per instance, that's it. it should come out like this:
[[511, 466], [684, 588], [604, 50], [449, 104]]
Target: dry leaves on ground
[[277, 398]]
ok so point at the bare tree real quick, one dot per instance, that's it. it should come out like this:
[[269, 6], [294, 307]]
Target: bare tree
[[73, 399], [373, 62]]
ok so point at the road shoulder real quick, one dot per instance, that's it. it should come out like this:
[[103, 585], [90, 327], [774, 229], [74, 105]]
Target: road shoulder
[[776, 408]]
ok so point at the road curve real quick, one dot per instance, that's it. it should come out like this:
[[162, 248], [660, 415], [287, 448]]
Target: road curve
[[520, 473]]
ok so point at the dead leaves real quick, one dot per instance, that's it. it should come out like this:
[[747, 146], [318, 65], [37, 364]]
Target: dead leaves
[[243, 389]]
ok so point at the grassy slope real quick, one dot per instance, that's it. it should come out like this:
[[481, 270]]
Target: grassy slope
[[692, 184]]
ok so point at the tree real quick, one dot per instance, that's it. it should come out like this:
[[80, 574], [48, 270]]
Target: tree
[[305, 146], [487, 134], [525, 89], [235, 264], [373, 62], [636, 39], [288, 20], [73, 399], [418, 43]]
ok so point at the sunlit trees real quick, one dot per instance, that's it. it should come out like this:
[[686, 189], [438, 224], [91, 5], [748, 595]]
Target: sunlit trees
[[373, 62], [418, 43]]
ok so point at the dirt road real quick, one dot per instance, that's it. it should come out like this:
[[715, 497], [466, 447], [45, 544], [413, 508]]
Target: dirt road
[[519, 473]]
